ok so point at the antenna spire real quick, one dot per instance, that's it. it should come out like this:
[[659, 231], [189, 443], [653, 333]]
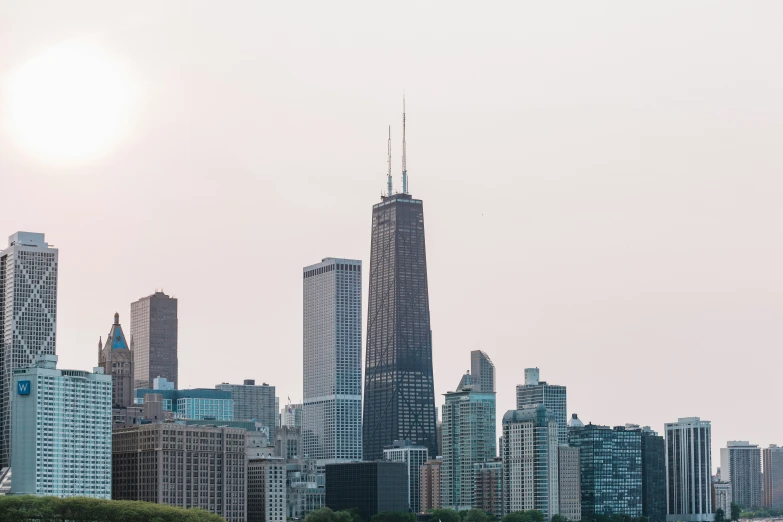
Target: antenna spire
[[388, 173], [404, 164]]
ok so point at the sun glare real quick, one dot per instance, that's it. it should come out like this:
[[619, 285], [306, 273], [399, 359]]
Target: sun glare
[[69, 104]]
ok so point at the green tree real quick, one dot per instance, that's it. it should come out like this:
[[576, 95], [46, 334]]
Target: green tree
[[720, 515], [559, 518], [531, 515], [475, 515], [444, 515], [735, 511], [393, 516]]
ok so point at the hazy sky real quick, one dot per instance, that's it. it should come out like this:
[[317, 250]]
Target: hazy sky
[[601, 182]]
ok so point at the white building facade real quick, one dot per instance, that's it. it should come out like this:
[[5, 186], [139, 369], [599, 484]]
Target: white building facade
[[688, 470], [332, 343], [28, 316], [266, 490], [62, 431]]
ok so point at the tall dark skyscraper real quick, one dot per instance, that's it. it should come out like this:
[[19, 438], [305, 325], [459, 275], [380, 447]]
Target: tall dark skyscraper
[[154, 339], [399, 396]]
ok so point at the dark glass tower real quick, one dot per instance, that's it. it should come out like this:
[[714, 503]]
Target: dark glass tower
[[399, 397]]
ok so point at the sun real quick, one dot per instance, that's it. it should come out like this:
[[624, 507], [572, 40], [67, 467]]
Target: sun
[[68, 105]]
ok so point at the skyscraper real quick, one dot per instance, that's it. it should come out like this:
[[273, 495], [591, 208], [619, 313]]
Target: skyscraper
[[773, 477], [399, 396], [570, 486], [154, 338], [482, 371], [468, 438], [688, 470], [28, 316], [552, 396], [530, 461], [740, 465], [116, 359], [332, 343], [254, 402], [414, 458], [653, 476]]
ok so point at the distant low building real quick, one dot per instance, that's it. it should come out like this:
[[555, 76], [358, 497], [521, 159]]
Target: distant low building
[[198, 403], [721, 496], [370, 487]]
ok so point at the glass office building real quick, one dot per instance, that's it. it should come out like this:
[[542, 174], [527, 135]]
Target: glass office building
[[199, 403]]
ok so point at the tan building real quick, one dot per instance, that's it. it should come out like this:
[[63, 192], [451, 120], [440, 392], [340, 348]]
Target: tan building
[[430, 485], [569, 487], [266, 490], [489, 486], [186, 466]]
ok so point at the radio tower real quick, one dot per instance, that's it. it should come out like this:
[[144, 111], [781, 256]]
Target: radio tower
[[404, 166], [388, 173]]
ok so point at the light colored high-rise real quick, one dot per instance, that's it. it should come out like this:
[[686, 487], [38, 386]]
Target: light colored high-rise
[[535, 391], [773, 477], [483, 371], [740, 465], [688, 470], [530, 461], [569, 488], [154, 338], [468, 438], [62, 425], [332, 416], [28, 316], [430, 485], [185, 466], [254, 402], [414, 458], [291, 416], [266, 490]]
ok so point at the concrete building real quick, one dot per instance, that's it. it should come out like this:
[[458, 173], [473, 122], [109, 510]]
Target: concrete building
[[773, 477], [28, 316], [414, 458], [197, 404], [266, 490], [291, 415], [185, 466], [254, 402], [469, 437], [305, 488], [721, 497], [688, 470], [488, 487], [552, 396], [332, 343], [430, 485], [569, 486], [740, 465], [483, 371], [288, 443], [154, 337], [530, 461], [610, 461], [61, 431], [370, 487]]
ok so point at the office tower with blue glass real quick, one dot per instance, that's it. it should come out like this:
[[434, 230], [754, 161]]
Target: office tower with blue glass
[[689, 470], [28, 316], [399, 394], [536, 391], [332, 351], [62, 429]]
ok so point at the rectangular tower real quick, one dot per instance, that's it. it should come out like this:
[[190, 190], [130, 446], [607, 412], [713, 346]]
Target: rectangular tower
[[332, 345], [773, 477], [688, 470], [570, 487], [154, 339], [740, 465], [254, 402], [653, 476], [550, 395], [28, 316], [482, 371], [399, 396], [414, 458]]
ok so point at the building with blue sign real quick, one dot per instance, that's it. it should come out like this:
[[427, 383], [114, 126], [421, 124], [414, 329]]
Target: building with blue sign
[[61, 431]]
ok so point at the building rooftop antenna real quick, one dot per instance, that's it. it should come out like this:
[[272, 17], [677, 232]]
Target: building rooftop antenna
[[404, 165], [388, 173]]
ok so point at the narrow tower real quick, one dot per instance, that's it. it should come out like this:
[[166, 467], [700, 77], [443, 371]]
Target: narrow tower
[[388, 172], [404, 153]]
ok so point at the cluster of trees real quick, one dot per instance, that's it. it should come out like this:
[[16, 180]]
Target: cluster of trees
[[327, 515], [762, 513], [28, 508]]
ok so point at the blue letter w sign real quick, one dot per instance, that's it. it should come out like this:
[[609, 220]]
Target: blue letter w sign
[[23, 387]]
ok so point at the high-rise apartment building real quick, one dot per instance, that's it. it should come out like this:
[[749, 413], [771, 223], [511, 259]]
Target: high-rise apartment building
[[186, 466], [254, 402], [535, 391], [414, 458], [116, 359], [488, 487], [570, 489], [740, 465], [28, 316], [399, 394], [773, 477], [154, 338], [688, 470], [469, 437], [266, 490], [530, 461], [369, 487], [610, 460], [62, 425], [482, 371], [430, 485], [653, 475], [332, 343]]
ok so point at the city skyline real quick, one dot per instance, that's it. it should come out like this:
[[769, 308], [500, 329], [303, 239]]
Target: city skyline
[[636, 239]]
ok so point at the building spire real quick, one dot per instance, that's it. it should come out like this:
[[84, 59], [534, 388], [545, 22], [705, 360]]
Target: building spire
[[404, 164], [389, 174]]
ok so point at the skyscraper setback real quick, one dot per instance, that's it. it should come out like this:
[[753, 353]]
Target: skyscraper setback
[[154, 338], [399, 395], [28, 316]]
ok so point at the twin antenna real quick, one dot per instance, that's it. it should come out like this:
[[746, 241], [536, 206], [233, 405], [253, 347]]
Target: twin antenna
[[389, 188]]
